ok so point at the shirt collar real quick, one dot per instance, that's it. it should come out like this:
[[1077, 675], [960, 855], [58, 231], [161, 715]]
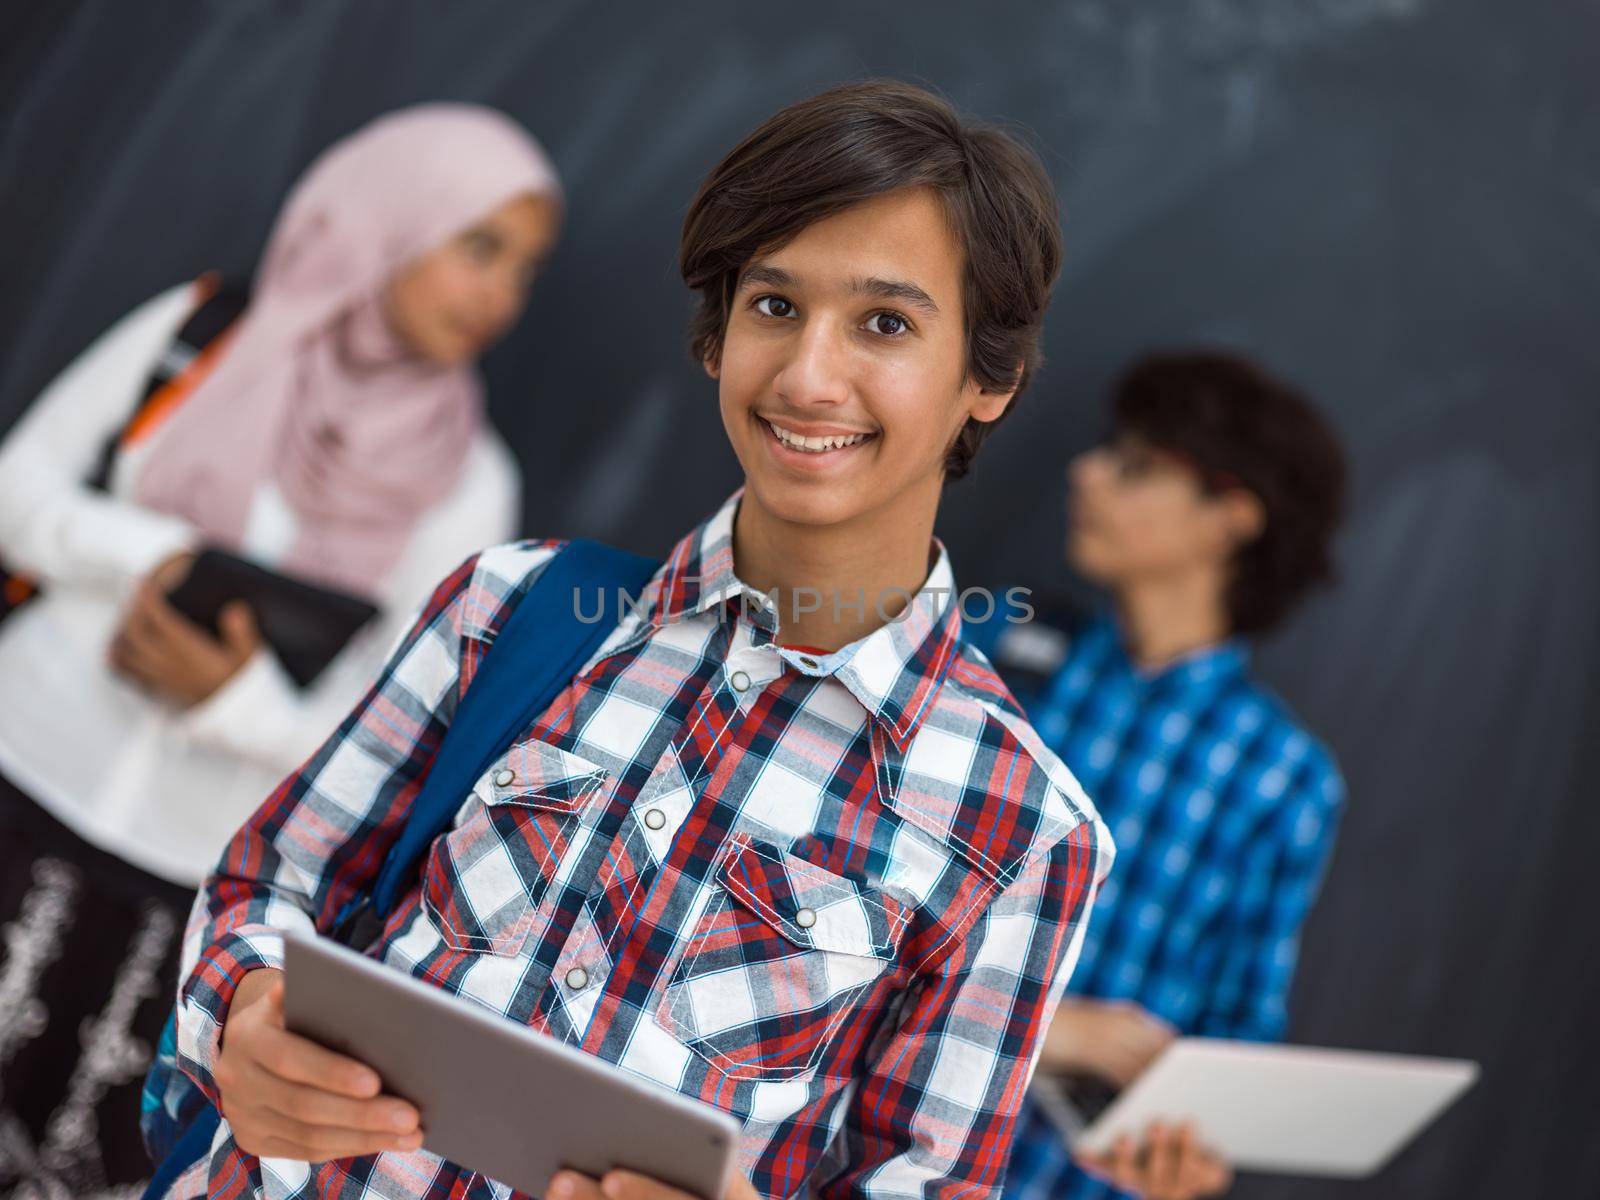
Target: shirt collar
[[895, 671], [1216, 663]]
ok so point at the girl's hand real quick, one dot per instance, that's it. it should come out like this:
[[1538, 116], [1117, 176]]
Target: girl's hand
[[161, 649]]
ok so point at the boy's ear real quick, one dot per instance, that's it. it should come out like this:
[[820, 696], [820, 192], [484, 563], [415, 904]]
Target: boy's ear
[[987, 406], [713, 365], [1244, 514], [990, 405]]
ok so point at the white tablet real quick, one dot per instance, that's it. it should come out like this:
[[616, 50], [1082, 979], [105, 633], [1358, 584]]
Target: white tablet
[[1295, 1109], [496, 1097]]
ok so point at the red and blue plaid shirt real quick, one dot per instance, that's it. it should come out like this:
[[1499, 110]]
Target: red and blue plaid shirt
[[835, 895]]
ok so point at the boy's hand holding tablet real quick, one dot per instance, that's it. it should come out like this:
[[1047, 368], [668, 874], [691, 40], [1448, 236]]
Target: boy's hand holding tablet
[[630, 1185], [287, 1097], [1116, 1040], [1171, 1164], [498, 1098]]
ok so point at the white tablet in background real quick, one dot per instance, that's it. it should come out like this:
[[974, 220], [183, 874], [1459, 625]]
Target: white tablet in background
[[1298, 1110]]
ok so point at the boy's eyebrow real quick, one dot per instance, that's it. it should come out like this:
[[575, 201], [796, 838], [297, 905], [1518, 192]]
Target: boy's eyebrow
[[769, 276], [894, 289], [862, 285]]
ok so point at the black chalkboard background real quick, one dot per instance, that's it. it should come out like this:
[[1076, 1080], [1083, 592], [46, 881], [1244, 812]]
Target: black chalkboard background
[[1396, 202]]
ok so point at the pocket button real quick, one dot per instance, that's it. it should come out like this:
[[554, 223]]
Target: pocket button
[[655, 819], [806, 918], [504, 777]]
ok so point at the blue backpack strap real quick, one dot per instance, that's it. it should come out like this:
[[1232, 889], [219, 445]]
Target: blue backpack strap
[[533, 658], [190, 1143]]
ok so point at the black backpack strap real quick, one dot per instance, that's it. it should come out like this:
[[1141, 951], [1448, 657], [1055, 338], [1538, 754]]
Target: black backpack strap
[[219, 310]]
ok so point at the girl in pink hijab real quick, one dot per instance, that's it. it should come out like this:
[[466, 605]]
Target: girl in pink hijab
[[334, 431], [354, 391]]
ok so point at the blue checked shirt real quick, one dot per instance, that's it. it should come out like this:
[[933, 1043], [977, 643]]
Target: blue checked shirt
[[1224, 811]]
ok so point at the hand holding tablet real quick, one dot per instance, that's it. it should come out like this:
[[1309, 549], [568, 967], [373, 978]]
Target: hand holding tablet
[[1294, 1109], [305, 624], [495, 1096], [290, 1099]]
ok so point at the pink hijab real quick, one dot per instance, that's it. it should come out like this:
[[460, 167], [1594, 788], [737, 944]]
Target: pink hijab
[[316, 392]]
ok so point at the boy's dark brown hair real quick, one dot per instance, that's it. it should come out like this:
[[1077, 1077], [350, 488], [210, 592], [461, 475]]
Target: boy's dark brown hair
[[860, 140], [1239, 426]]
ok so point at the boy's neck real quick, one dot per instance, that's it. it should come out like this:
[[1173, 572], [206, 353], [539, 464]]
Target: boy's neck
[[882, 557], [1164, 619]]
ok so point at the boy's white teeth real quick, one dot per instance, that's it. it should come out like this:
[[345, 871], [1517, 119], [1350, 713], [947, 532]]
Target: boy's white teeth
[[816, 445]]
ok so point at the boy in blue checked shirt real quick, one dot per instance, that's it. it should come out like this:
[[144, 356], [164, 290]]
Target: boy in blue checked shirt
[[1206, 515], [805, 861]]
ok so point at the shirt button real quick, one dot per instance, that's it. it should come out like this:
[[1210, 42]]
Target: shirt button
[[739, 680], [577, 979], [504, 776], [807, 661], [654, 818], [806, 918]]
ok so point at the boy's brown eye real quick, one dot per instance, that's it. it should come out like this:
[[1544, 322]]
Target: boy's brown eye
[[889, 324], [1132, 459], [774, 306]]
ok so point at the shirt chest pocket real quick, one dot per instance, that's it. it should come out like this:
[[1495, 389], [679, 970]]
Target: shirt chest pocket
[[781, 965], [492, 882]]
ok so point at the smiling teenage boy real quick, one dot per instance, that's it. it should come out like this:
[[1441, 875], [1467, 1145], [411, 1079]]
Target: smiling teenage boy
[[786, 844]]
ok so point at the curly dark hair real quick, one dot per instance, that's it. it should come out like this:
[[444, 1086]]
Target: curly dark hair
[[1243, 427], [860, 140]]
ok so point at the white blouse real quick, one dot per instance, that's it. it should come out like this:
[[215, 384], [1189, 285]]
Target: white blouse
[[162, 787]]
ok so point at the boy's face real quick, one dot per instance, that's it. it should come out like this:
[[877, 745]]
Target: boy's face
[[1137, 513], [843, 370]]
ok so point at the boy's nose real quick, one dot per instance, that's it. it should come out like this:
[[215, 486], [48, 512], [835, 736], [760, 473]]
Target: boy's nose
[[1081, 468], [817, 370]]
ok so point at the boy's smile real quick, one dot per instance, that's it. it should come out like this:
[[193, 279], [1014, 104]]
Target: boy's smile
[[820, 444]]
